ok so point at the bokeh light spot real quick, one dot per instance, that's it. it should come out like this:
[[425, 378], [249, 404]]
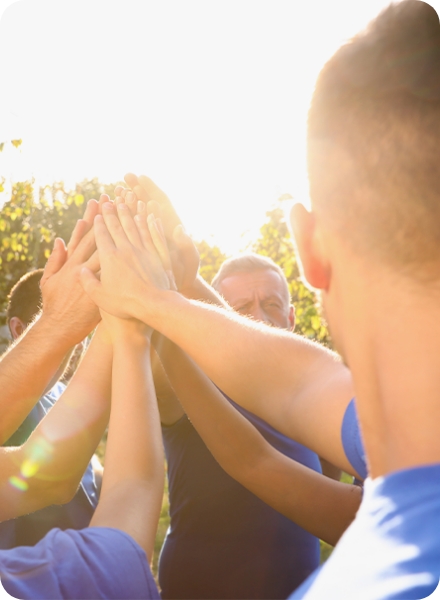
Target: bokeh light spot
[[18, 483]]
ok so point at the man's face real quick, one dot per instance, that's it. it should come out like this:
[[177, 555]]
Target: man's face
[[259, 294]]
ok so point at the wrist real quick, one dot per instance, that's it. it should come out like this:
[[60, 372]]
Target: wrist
[[158, 310], [54, 330]]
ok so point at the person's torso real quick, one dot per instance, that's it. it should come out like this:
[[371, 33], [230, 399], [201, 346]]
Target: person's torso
[[223, 541]]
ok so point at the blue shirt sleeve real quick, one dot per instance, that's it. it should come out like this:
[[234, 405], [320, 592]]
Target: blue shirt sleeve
[[97, 562], [352, 441]]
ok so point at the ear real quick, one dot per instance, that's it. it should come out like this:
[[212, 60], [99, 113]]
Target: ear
[[16, 327], [315, 265], [292, 317]]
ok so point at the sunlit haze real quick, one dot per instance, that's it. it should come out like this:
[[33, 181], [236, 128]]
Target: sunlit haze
[[207, 98]]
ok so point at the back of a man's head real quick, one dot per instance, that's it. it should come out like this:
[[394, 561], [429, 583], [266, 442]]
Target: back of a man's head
[[24, 299], [374, 139]]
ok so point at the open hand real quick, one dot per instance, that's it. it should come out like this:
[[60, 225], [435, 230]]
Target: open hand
[[131, 268]]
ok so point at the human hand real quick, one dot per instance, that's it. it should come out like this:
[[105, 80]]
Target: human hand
[[127, 255], [184, 254], [146, 190], [65, 303]]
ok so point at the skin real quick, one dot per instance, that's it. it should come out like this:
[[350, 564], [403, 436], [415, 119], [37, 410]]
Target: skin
[[323, 507], [59, 449], [132, 486], [47, 469], [68, 316], [309, 385], [261, 295], [391, 365], [17, 328]]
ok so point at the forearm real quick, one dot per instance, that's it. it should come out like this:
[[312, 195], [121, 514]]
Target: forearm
[[26, 369], [200, 290], [231, 439], [49, 466], [297, 386], [134, 468], [320, 505], [323, 507]]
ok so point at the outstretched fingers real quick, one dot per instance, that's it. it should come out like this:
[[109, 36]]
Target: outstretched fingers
[[113, 224], [128, 224], [188, 256], [55, 261], [160, 244], [104, 239], [159, 241], [78, 233], [142, 227]]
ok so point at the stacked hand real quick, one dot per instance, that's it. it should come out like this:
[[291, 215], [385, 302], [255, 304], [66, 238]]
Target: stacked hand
[[116, 258], [183, 253], [65, 303], [134, 261]]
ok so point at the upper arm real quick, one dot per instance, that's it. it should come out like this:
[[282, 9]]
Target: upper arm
[[309, 407], [316, 414]]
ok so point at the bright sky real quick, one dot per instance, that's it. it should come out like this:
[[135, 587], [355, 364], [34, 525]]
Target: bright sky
[[209, 98]]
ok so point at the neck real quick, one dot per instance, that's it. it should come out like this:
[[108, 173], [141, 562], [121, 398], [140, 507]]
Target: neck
[[392, 351]]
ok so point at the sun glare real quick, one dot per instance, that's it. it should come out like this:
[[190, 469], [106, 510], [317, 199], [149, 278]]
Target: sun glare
[[208, 99]]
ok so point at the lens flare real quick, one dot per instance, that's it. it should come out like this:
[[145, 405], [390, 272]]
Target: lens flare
[[39, 454], [18, 483]]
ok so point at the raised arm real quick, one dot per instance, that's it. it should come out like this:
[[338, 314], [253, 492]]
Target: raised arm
[[323, 507], [48, 467], [68, 316], [299, 387], [132, 487], [320, 505]]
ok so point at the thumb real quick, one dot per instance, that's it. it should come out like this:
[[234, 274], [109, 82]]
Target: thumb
[[91, 285], [55, 261]]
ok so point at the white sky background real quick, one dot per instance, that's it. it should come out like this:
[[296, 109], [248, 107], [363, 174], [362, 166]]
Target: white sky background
[[207, 97]]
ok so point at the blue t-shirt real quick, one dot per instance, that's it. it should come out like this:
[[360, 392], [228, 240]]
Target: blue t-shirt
[[97, 562], [392, 549], [27, 530], [223, 541], [352, 440]]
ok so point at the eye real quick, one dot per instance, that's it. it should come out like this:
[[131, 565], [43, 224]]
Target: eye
[[273, 304], [242, 309]]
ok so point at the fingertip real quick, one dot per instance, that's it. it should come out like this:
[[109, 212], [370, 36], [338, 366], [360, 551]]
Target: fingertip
[[179, 234], [131, 179], [59, 243], [154, 207]]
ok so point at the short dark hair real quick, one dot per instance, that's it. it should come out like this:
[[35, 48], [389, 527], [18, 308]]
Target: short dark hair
[[374, 139], [246, 263], [24, 299]]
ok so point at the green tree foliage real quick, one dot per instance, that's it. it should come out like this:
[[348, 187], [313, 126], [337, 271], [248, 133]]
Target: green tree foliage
[[211, 258], [30, 222], [275, 241]]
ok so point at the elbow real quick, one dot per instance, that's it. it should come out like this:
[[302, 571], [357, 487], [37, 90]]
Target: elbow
[[62, 492]]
